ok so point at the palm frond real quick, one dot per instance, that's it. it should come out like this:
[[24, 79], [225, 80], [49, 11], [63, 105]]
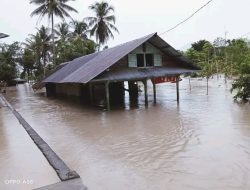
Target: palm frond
[[110, 18], [112, 27], [38, 11], [59, 13], [68, 8], [38, 2]]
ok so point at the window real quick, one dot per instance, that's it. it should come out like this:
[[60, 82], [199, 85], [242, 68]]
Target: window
[[149, 60], [140, 60]]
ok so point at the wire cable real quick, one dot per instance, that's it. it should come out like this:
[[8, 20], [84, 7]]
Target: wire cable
[[185, 20]]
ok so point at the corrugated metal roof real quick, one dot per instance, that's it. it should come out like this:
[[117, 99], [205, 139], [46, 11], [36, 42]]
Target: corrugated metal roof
[[103, 60], [68, 69], [140, 73], [86, 68]]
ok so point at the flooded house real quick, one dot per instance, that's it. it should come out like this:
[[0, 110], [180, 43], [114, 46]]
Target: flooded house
[[2, 35], [101, 76]]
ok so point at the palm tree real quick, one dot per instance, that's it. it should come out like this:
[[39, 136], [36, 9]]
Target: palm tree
[[52, 8], [40, 45], [62, 31], [103, 22], [79, 29]]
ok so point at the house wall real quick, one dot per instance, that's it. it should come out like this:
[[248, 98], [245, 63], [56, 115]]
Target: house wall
[[165, 60], [149, 49], [68, 89], [81, 92], [145, 48]]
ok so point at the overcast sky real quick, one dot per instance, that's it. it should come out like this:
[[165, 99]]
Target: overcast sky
[[136, 18]]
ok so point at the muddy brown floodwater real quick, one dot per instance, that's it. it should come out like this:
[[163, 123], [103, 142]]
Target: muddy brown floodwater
[[203, 144]]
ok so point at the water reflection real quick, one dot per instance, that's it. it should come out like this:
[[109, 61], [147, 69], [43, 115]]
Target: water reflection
[[203, 143]]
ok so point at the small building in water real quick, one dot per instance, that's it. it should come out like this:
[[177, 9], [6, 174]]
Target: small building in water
[[2, 35], [101, 75]]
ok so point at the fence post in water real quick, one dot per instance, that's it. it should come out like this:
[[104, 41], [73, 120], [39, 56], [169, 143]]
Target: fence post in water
[[107, 95], [146, 92], [154, 89], [177, 90], [190, 83], [207, 85]]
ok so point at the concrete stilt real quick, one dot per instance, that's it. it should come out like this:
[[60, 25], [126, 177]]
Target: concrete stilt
[[154, 89], [107, 95], [146, 92], [177, 90], [91, 93]]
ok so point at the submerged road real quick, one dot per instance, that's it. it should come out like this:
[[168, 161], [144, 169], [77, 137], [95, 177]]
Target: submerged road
[[62, 170], [202, 144]]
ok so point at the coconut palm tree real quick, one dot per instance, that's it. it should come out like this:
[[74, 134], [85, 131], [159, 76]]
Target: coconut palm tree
[[40, 44], [79, 29], [62, 31], [52, 8], [103, 22]]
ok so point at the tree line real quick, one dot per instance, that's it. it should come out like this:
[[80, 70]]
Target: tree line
[[228, 57], [62, 42]]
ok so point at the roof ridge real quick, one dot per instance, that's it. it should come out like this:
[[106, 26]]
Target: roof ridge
[[113, 47]]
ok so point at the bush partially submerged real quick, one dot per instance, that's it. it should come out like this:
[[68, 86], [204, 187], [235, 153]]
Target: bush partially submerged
[[242, 88]]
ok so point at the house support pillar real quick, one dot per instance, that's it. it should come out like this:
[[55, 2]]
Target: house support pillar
[[177, 90], [146, 92], [91, 93], [107, 95], [154, 89]]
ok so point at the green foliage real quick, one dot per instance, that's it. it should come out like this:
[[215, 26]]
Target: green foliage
[[231, 57], [198, 46], [28, 63], [102, 23], [40, 45], [202, 53], [242, 86], [80, 29], [9, 58], [52, 7], [69, 50]]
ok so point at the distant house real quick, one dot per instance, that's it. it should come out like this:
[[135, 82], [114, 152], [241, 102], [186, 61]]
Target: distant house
[[102, 74], [2, 35]]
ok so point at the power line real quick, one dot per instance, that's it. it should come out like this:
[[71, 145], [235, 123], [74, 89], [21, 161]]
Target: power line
[[185, 20]]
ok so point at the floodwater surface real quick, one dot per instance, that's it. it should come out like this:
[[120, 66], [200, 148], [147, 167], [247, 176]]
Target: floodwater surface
[[202, 144]]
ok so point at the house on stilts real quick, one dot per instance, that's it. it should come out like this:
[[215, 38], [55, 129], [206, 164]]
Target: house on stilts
[[101, 75], [2, 35]]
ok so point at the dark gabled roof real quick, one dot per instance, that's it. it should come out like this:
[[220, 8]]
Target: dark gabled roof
[[2, 35], [68, 68], [86, 68]]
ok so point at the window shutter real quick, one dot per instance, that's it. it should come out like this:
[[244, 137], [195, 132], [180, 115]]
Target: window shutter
[[157, 60], [132, 62]]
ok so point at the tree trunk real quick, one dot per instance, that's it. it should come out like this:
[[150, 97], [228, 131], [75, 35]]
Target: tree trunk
[[53, 39], [28, 71], [44, 65]]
